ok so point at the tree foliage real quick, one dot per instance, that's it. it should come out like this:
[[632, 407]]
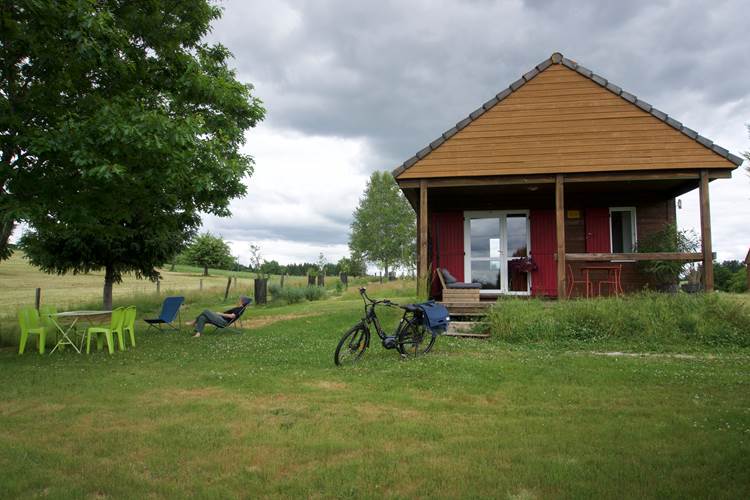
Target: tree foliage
[[384, 228], [669, 239], [730, 276], [119, 126], [207, 251]]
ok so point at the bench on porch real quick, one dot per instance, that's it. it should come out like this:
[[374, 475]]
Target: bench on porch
[[454, 290]]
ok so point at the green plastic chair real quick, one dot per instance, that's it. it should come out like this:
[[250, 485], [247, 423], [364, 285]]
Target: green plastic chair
[[28, 320], [103, 333], [128, 323], [46, 322]]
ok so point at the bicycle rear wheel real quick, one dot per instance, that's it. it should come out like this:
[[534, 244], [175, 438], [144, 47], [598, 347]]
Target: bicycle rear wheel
[[352, 345], [415, 340]]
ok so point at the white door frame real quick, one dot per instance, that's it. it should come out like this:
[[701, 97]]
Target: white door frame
[[502, 216]]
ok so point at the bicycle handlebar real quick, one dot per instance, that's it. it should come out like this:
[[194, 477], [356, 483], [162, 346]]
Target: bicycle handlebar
[[387, 302]]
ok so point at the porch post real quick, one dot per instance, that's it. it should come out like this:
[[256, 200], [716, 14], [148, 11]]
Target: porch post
[[560, 230], [708, 261], [422, 274]]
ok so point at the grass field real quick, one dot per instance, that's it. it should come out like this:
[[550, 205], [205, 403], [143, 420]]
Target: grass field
[[18, 281], [265, 413]]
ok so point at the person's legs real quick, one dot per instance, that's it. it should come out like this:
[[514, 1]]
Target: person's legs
[[208, 317]]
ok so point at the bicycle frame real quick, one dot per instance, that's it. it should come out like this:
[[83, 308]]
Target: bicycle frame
[[370, 317]]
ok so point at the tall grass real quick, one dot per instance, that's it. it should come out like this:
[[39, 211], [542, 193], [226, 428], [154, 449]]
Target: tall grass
[[649, 320]]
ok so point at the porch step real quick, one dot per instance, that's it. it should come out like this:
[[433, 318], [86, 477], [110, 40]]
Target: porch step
[[465, 329], [467, 308]]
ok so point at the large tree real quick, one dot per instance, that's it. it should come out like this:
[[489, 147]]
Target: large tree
[[207, 251], [384, 228], [119, 126]]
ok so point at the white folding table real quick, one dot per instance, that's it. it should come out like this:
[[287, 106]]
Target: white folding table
[[74, 317]]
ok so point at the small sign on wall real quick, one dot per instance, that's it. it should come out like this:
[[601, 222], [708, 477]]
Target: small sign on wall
[[574, 214]]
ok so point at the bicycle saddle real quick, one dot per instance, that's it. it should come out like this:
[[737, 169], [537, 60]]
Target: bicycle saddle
[[411, 308]]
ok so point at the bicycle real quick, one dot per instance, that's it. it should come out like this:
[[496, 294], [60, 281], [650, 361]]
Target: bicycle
[[411, 337]]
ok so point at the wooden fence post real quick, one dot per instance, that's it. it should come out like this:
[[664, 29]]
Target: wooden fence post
[[38, 298], [235, 282], [200, 286], [158, 287], [282, 280], [226, 292]]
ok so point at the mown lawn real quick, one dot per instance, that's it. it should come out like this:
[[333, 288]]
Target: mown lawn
[[265, 413]]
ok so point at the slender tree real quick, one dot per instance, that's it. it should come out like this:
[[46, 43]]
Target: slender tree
[[384, 228], [207, 251], [119, 126]]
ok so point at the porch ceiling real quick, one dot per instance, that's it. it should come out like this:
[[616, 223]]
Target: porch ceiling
[[578, 192]]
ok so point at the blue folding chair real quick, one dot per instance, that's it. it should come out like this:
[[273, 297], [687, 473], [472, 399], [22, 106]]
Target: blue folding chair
[[170, 310]]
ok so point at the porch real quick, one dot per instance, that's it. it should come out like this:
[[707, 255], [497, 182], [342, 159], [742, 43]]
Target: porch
[[560, 222]]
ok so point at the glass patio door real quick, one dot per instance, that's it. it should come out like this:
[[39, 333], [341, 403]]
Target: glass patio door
[[496, 244]]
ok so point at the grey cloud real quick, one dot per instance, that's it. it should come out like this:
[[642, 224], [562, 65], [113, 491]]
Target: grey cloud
[[400, 73]]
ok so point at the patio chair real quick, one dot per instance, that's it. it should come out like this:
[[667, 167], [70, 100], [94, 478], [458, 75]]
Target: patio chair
[[128, 324], [572, 282], [613, 282], [103, 333], [228, 325], [455, 291], [45, 320], [170, 309], [28, 320]]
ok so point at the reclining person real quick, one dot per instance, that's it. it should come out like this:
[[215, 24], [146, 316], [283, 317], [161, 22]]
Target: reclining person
[[216, 318]]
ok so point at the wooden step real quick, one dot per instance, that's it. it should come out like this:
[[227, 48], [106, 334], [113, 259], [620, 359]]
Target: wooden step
[[465, 329], [467, 308]]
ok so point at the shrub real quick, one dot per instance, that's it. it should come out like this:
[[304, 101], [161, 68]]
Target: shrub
[[647, 320], [295, 294], [314, 293], [288, 295]]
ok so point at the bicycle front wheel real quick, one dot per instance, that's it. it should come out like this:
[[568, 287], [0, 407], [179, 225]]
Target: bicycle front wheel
[[352, 345], [415, 340]]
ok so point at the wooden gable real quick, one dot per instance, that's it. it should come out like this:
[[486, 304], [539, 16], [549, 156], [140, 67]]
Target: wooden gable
[[562, 121]]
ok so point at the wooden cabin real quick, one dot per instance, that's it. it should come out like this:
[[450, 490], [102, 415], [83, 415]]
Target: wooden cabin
[[560, 172]]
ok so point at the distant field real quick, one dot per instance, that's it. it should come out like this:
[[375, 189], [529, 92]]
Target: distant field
[[19, 279]]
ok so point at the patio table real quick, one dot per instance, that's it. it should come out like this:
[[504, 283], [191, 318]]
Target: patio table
[[90, 317], [613, 272]]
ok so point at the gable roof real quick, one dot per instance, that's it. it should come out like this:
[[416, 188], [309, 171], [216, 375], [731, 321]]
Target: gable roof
[[558, 59]]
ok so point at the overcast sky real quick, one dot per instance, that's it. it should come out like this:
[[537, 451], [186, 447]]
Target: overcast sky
[[353, 87]]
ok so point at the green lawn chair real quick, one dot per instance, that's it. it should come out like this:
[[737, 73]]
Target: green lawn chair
[[103, 333], [128, 324], [28, 320], [46, 321]]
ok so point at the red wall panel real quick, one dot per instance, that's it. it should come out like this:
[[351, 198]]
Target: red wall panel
[[597, 230], [543, 248], [447, 244]]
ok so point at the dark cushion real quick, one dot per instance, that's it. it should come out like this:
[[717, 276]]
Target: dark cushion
[[449, 278], [464, 285]]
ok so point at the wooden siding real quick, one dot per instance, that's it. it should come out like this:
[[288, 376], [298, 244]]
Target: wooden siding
[[562, 122]]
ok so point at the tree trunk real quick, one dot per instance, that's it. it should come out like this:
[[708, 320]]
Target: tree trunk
[[174, 262], [6, 229], [205, 270], [109, 279]]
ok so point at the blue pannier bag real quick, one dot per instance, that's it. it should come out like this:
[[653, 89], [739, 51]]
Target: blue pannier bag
[[434, 316]]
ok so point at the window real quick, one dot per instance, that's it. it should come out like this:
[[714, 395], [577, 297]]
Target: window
[[622, 229]]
